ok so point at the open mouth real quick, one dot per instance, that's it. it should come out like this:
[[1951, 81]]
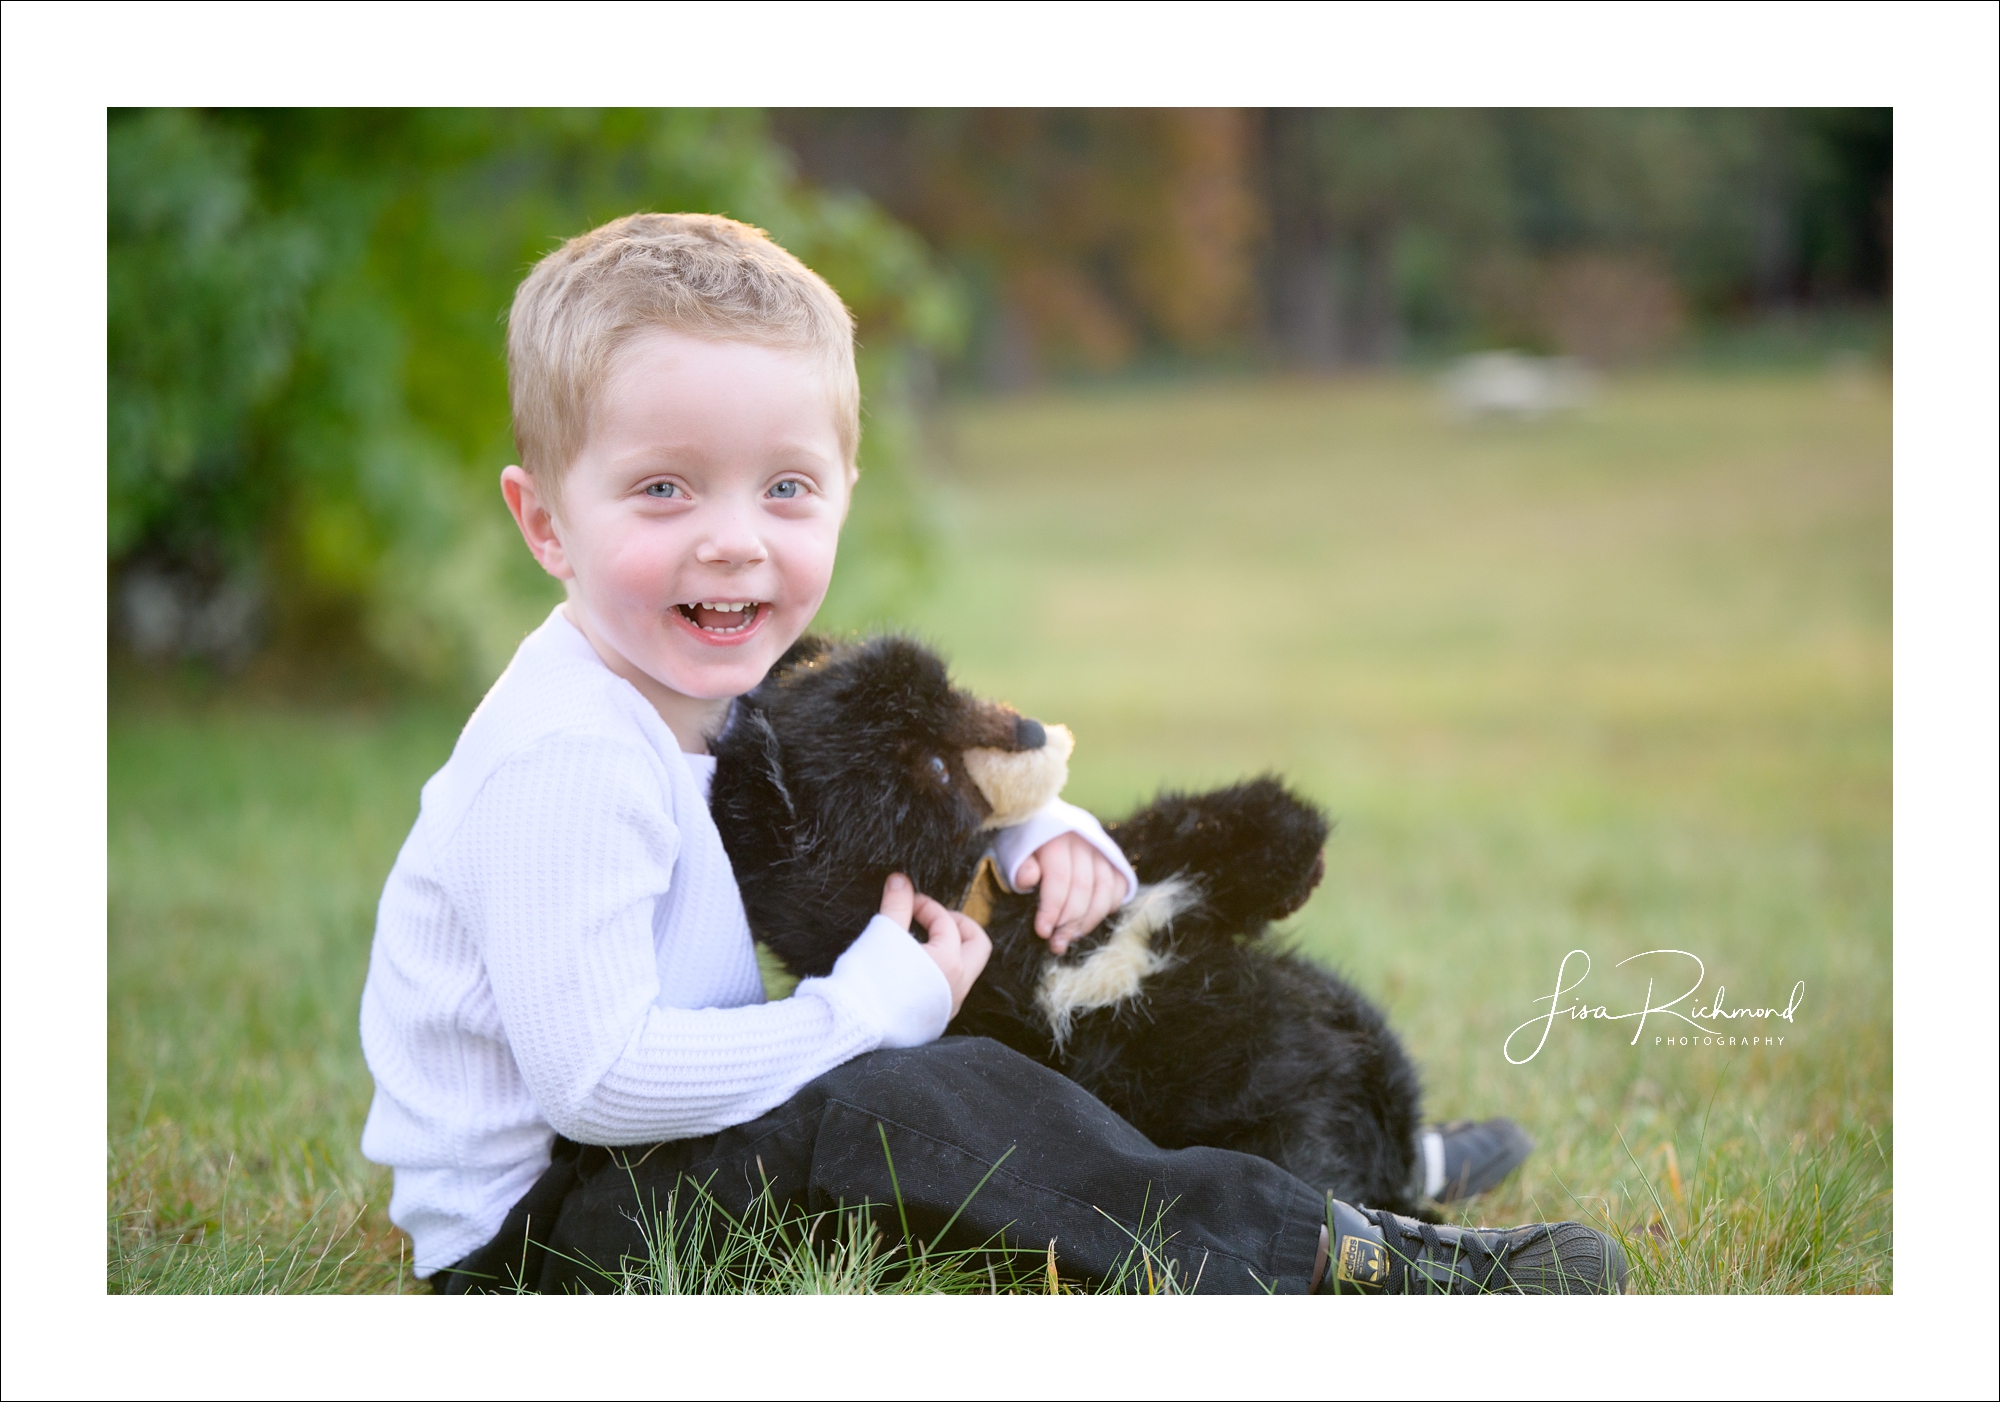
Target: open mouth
[[723, 617]]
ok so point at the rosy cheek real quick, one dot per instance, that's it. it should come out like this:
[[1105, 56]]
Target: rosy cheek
[[815, 538], [640, 566], [808, 567]]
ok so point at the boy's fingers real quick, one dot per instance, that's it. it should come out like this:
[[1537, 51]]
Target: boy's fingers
[[938, 924], [975, 947], [1106, 894], [898, 899], [956, 945], [1109, 893], [1082, 882], [1055, 887], [1029, 875]]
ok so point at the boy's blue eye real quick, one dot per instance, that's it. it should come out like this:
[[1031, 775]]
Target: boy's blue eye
[[788, 490], [662, 489]]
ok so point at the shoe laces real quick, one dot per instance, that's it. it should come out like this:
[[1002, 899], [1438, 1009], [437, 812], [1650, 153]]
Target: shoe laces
[[1469, 1255]]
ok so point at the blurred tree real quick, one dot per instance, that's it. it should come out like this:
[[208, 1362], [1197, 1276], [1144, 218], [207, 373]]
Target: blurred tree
[[1628, 221], [1094, 233], [1349, 191], [308, 389], [1344, 236], [1844, 199], [305, 353], [206, 294]]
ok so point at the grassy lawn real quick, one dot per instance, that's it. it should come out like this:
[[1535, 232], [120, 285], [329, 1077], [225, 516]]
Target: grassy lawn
[[1616, 683]]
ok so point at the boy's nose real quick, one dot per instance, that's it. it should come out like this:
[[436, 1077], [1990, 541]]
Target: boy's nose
[[1028, 734], [731, 542]]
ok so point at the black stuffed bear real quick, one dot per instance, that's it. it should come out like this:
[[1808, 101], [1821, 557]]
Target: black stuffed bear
[[853, 761]]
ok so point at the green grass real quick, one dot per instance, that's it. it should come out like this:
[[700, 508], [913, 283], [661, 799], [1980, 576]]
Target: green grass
[[248, 848], [1614, 683], [694, 1246]]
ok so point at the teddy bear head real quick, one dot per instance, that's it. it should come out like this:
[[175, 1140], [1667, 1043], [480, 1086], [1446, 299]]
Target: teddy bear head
[[851, 755]]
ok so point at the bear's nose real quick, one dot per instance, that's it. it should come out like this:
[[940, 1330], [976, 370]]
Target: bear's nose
[[1028, 734]]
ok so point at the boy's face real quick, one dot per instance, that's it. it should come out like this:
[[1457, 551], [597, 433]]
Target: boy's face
[[695, 532]]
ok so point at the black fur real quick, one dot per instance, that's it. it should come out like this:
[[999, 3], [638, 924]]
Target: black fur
[[846, 765]]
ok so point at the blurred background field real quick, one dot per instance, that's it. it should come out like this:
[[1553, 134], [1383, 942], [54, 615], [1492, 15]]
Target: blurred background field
[[1616, 684], [307, 398], [1157, 448]]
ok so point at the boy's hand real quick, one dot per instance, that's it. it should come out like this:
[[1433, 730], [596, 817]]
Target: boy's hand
[[1079, 888], [955, 942]]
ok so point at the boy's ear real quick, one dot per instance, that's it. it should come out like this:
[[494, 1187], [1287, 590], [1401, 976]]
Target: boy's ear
[[847, 504], [534, 513]]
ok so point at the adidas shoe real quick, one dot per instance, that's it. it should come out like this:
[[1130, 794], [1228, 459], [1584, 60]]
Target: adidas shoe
[[1372, 1252]]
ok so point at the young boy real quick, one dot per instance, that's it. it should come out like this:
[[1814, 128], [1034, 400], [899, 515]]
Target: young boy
[[563, 1012]]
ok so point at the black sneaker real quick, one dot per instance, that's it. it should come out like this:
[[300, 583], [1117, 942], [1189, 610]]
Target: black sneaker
[[1464, 1159], [1373, 1252]]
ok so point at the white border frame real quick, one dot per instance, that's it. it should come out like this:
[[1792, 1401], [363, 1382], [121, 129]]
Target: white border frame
[[64, 65]]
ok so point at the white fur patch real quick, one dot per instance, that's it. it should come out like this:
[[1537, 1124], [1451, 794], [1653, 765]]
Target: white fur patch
[[1114, 970], [1017, 782]]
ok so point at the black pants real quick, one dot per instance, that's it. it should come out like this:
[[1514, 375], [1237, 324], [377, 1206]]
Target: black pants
[[1077, 1174]]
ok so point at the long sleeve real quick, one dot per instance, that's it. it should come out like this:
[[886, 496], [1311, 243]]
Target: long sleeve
[[561, 948], [1014, 845], [567, 861]]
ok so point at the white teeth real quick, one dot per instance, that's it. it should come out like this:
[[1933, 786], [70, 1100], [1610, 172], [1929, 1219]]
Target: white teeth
[[745, 607]]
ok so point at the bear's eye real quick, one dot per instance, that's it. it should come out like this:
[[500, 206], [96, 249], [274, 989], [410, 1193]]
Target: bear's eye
[[938, 768]]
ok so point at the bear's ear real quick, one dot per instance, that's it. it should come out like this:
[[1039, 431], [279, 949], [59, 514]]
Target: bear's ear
[[771, 760], [803, 653], [752, 806]]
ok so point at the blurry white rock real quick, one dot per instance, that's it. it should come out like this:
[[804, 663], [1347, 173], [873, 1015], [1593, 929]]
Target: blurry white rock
[[153, 612], [1850, 373], [1514, 385], [171, 614]]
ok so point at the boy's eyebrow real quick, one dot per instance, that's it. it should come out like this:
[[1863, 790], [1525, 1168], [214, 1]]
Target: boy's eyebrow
[[796, 456], [655, 453]]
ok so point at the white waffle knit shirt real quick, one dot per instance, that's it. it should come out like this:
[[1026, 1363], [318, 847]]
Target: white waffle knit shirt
[[561, 947]]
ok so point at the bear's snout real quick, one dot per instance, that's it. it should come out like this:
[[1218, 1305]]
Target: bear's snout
[[1018, 781]]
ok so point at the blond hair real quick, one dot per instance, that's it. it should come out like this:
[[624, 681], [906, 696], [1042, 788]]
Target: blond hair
[[698, 274]]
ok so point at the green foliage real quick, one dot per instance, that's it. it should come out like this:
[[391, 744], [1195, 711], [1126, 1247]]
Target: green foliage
[[1594, 232], [1737, 205], [206, 294], [1353, 235], [308, 348]]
